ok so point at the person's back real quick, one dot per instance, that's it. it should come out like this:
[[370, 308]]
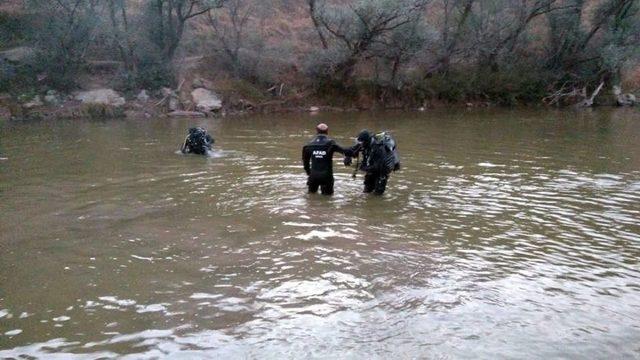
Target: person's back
[[198, 141], [317, 159], [379, 158]]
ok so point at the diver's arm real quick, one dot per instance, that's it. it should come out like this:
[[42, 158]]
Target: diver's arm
[[354, 150], [351, 152], [306, 159]]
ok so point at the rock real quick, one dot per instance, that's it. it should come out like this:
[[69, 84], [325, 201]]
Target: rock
[[143, 96], [165, 91], [52, 98], [617, 90], [246, 104], [314, 109], [186, 114], [626, 100], [35, 102], [20, 54], [171, 98], [197, 83], [206, 100], [101, 96], [631, 98], [174, 103], [623, 99]]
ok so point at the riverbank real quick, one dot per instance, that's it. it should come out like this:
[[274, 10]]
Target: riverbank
[[198, 99], [70, 106]]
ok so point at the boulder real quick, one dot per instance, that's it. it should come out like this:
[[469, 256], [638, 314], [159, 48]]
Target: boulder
[[314, 109], [101, 96], [174, 103], [33, 103], [206, 100], [143, 96], [52, 98], [171, 98], [631, 99], [21, 54], [165, 91], [623, 99], [197, 83]]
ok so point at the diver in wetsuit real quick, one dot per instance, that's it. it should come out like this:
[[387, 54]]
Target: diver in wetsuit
[[379, 159], [198, 141], [317, 159]]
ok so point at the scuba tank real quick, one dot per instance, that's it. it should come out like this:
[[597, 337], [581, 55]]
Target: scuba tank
[[384, 156]]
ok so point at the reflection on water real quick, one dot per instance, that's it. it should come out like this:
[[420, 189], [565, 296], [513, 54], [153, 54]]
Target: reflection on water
[[512, 233]]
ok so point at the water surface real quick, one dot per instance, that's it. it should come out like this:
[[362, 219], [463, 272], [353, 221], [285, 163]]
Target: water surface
[[507, 233]]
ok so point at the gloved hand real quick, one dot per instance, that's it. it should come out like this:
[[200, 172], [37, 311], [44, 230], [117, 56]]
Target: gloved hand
[[347, 161]]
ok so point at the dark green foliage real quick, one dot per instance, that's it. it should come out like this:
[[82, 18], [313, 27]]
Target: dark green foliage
[[12, 30], [62, 32], [16, 78], [150, 73]]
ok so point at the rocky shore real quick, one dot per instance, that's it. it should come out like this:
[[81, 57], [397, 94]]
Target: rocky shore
[[193, 98]]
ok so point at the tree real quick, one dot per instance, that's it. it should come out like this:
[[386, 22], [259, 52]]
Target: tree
[[231, 35], [356, 27], [456, 15], [572, 52], [516, 17], [316, 23], [620, 23], [170, 18], [400, 47], [121, 34], [65, 30]]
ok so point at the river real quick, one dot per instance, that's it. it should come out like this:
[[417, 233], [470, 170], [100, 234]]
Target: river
[[507, 233]]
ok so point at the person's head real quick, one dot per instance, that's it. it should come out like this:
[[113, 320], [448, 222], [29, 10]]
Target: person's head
[[322, 128], [364, 137]]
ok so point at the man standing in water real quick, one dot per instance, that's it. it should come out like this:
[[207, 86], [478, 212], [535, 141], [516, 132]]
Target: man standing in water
[[379, 159], [317, 159]]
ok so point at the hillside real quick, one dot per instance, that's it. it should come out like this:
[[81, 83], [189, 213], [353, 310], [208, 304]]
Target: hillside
[[279, 54]]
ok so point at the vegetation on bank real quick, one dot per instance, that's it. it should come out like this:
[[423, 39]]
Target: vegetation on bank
[[347, 53]]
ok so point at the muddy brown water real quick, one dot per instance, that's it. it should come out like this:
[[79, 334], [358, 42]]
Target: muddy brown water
[[511, 234]]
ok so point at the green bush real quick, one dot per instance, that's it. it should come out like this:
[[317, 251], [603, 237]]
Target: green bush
[[13, 30], [16, 78]]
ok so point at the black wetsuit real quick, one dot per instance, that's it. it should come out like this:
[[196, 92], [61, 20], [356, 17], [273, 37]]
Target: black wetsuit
[[317, 158], [375, 178], [197, 142]]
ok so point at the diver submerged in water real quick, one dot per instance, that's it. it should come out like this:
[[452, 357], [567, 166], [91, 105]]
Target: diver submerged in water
[[198, 141], [317, 159], [379, 159]]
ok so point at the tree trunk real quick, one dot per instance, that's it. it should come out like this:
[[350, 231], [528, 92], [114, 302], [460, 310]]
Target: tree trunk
[[316, 24]]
